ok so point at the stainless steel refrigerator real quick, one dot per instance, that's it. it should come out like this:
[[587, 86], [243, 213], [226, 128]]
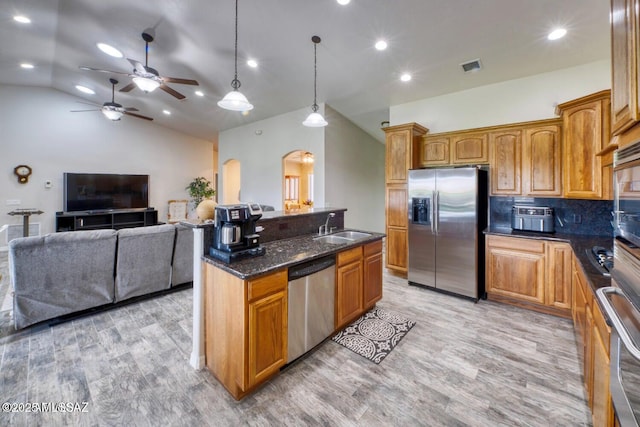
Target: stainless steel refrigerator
[[448, 210]]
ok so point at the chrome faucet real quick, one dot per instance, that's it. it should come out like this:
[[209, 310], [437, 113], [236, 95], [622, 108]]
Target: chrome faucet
[[323, 229]]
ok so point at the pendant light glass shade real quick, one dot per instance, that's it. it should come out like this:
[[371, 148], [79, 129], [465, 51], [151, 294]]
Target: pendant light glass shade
[[146, 85], [234, 100], [315, 119]]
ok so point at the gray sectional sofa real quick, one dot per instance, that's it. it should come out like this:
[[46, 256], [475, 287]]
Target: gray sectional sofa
[[68, 272]]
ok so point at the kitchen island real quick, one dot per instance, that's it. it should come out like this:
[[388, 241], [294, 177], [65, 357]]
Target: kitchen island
[[246, 303]]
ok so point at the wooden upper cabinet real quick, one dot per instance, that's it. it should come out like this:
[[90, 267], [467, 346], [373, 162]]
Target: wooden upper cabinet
[[624, 83], [402, 151], [505, 150], [469, 149], [435, 151], [541, 161], [585, 133]]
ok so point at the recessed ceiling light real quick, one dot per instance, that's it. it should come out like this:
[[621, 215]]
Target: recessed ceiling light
[[252, 63], [85, 89], [26, 65], [343, 2], [109, 50], [22, 19], [557, 34], [199, 93], [166, 112], [405, 77], [381, 45]]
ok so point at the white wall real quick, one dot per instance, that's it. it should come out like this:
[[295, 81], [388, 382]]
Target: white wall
[[261, 155], [354, 176], [529, 98], [38, 129]]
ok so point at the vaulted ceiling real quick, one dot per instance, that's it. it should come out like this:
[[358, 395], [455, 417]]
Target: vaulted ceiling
[[195, 39]]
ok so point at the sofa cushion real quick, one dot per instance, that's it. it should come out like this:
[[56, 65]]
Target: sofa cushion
[[61, 273], [143, 262], [182, 256]]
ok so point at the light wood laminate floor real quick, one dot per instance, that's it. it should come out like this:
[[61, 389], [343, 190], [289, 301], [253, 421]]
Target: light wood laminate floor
[[463, 364]]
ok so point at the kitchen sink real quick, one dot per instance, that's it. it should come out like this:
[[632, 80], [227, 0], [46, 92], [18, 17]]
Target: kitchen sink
[[352, 235], [333, 239]]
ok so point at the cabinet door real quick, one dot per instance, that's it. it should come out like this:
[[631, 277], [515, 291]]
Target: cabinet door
[[558, 290], [582, 140], [469, 149], [541, 161], [624, 83], [588, 357], [505, 162], [372, 284], [398, 156], [267, 336], [349, 304], [435, 151], [397, 222], [579, 309], [515, 268]]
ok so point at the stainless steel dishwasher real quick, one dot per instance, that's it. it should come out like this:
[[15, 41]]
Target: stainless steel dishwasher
[[311, 304]]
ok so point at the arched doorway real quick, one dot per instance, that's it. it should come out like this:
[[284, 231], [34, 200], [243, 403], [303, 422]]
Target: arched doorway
[[231, 182], [297, 180]]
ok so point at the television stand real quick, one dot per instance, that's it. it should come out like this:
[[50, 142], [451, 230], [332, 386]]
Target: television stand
[[106, 219]]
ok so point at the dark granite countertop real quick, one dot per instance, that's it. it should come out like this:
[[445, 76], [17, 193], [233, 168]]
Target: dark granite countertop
[[286, 253], [579, 243]]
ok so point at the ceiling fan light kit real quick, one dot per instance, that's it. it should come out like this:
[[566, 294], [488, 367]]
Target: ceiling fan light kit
[[146, 85], [234, 100], [111, 114], [315, 119], [112, 110]]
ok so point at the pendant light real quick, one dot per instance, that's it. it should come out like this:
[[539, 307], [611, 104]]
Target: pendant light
[[315, 119], [235, 100]]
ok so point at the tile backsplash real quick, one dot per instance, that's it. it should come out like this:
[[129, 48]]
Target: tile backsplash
[[572, 216]]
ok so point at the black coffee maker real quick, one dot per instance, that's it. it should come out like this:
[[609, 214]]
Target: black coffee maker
[[235, 236]]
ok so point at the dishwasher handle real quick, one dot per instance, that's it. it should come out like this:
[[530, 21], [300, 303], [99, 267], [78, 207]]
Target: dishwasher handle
[[310, 267]]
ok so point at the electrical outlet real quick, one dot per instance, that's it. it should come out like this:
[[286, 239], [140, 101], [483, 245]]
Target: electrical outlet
[[577, 218], [48, 184], [13, 202]]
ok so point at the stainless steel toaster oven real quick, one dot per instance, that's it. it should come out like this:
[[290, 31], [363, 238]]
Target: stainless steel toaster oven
[[532, 218]]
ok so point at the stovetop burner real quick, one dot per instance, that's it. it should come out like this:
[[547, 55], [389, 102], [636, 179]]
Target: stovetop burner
[[601, 258]]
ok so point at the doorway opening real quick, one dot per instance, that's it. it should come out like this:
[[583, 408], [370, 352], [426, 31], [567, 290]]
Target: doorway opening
[[297, 180], [231, 182]]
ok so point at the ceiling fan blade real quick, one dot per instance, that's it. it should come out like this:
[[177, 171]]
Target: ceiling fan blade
[[173, 92], [131, 109], [137, 115], [180, 81], [137, 65], [128, 87], [82, 111], [104, 71], [89, 103]]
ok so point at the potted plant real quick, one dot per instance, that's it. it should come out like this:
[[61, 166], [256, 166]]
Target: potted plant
[[200, 191]]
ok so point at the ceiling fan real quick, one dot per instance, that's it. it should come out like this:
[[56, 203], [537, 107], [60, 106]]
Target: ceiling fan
[[146, 78], [112, 110]]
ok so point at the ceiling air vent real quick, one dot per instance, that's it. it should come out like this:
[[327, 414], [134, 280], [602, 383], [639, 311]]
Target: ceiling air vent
[[471, 66]]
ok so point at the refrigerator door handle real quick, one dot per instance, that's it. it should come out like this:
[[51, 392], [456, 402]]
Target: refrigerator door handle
[[433, 212], [436, 215]]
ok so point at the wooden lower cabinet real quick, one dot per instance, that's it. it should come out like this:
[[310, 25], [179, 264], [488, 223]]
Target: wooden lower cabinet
[[349, 301], [532, 273], [592, 336], [245, 328], [358, 282], [372, 274]]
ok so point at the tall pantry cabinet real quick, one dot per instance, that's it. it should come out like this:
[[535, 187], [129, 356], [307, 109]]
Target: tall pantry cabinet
[[402, 153]]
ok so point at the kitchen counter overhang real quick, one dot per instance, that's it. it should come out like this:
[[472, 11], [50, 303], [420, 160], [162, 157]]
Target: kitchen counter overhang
[[285, 253]]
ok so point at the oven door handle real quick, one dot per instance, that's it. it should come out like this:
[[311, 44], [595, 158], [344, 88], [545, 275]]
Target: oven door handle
[[615, 319]]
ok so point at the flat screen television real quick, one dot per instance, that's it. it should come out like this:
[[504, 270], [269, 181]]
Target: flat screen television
[[105, 191]]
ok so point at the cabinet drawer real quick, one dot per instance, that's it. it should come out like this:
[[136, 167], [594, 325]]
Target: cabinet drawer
[[349, 255], [266, 285], [525, 245], [372, 248]]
